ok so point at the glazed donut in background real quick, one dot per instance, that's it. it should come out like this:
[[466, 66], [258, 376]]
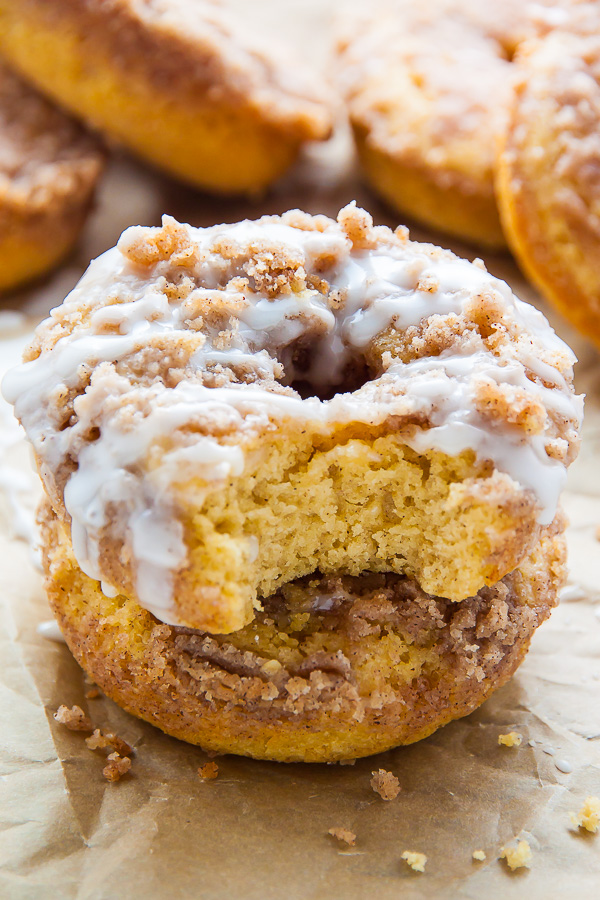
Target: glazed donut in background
[[548, 179], [302, 480], [427, 87], [49, 167], [176, 81]]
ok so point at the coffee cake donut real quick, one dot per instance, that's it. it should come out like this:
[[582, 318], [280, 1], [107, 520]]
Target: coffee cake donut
[[428, 85], [218, 412], [49, 168], [331, 668], [548, 180], [176, 81]]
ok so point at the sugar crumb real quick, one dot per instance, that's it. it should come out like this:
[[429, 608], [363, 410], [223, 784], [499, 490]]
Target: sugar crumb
[[385, 784], [101, 740], [343, 835], [479, 855], [74, 718], [209, 771], [517, 857], [588, 816], [415, 860], [116, 767], [512, 739]]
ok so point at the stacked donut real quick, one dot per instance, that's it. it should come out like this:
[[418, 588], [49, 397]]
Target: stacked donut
[[302, 481], [481, 119]]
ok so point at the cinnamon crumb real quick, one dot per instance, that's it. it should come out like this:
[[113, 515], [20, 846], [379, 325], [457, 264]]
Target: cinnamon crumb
[[517, 857], [101, 740], [209, 771], [343, 835], [588, 816], [385, 784], [92, 694], [479, 855], [116, 767], [74, 719], [415, 860], [512, 739], [357, 224]]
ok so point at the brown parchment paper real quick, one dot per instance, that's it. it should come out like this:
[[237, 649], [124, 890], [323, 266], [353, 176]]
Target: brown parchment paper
[[259, 831]]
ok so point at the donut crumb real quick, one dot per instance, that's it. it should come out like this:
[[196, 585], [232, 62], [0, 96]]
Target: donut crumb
[[512, 739], [209, 771], [92, 694], [100, 740], [588, 816], [74, 718], [415, 860], [343, 835], [116, 767], [385, 784], [517, 857], [597, 532], [479, 855]]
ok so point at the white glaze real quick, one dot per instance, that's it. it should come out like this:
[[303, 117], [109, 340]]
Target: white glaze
[[381, 289]]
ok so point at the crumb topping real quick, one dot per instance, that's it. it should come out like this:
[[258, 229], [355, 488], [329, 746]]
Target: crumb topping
[[74, 718], [588, 816], [209, 771], [512, 739], [415, 860], [102, 740], [343, 835], [385, 784], [479, 855], [116, 767], [517, 856]]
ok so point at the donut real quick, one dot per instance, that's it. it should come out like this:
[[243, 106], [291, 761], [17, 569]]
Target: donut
[[280, 413], [49, 167], [427, 87], [175, 81], [547, 178], [331, 668]]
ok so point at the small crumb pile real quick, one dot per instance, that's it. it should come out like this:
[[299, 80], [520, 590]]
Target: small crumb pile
[[343, 835], [512, 739], [209, 771], [588, 816], [119, 761], [479, 855], [385, 784], [517, 857], [415, 860]]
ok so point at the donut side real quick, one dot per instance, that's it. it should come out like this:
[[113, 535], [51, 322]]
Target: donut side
[[547, 175], [203, 107], [49, 168], [332, 668]]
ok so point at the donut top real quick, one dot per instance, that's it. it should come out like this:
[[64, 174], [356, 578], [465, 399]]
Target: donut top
[[181, 345], [43, 153]]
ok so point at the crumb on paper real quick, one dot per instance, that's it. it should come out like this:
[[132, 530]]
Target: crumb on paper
[[385, 784], [209, 771], [597, 532], [512, 739], [116, 767], [517, 857], [347, 762], [479, 855], [92, 694], [101, 740], [74, 718], [588, 816], [415, 860], [343, 835]]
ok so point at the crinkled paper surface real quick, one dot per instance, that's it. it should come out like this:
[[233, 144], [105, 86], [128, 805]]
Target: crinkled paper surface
[[259, 831]]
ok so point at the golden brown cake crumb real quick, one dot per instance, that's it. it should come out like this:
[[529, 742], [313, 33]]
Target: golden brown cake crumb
[[101, 740], [92, 694], [347, 762], [598, 532], [512, 739], [343, 835], [517, 857], [479, 855], [588, 816], [116, 767], [385, 784], [209, 771], [74, 718], [415, 860]]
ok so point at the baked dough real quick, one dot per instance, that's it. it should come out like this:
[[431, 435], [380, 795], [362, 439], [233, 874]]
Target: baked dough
[[176, 81], [332, 668], [49, 167], [217, 412]]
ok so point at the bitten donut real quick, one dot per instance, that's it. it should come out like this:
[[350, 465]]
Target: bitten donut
[[428, 86], [548, 174], [176, 81], [239, 426], [49, 168]]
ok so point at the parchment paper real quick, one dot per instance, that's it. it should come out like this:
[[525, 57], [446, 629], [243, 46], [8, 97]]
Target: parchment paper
[[259, 831]]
